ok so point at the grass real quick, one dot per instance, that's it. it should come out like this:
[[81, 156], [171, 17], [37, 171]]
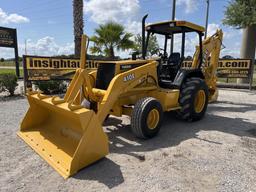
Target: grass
[[13, 71], [9, 64], [233, 80]]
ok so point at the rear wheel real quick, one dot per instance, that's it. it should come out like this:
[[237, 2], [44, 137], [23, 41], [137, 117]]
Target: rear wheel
[[193, 99], [146, 118]]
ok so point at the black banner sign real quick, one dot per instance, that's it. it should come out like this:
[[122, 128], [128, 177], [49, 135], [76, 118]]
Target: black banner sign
[[7, 37], [38, 68], [227, 68], [237, 68]]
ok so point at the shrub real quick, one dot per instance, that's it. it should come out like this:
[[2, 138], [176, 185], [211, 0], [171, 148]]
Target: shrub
[[8, 82], [51, 87]]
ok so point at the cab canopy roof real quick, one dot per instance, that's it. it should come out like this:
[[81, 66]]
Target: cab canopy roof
[[172, 27]]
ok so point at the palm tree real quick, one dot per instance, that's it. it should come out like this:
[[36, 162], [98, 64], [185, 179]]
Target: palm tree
[[78, 24], [110, 37], [153, 46]]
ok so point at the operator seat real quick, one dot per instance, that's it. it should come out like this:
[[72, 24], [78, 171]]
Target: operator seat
[[174, 59], [169, 70]]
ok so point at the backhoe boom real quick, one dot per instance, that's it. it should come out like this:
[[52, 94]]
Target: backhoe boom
[[211, 52]]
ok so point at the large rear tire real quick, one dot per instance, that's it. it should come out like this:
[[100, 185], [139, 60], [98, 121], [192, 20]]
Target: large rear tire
[[193, 99], [146, 118]]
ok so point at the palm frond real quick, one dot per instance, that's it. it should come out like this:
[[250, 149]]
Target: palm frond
[[111, 36]]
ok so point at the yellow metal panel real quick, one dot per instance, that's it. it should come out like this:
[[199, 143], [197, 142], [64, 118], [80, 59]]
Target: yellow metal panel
[[168, 98], [182, 24], [190, 25], [128, 61], [59, 134]]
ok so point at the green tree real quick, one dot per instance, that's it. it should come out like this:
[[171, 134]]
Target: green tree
[[110, 37], [78, 22], [152, 48], [242, 14]]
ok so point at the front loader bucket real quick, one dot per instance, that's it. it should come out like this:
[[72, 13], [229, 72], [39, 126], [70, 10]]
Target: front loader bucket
[[68, 139]]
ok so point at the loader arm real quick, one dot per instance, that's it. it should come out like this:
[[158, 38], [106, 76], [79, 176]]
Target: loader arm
[[81, 88], [211, 52], [80, 78], [120, 86]]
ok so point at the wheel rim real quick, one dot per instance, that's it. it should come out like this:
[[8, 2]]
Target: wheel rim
[[153, 119], [199, 101]]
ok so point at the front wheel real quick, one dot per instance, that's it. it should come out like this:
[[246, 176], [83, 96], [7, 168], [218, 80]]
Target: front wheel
[[146, 118], [193, 99]]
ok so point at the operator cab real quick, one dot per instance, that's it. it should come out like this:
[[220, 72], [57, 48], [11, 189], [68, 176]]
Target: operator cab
[[170, 61]]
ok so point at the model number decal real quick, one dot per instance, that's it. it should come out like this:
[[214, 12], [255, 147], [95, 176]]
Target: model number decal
[[129, 77]]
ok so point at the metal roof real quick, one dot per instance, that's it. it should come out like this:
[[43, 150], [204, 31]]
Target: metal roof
[[172, 27]]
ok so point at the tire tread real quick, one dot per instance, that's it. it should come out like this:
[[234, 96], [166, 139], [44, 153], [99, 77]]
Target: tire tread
[[137, 114], [187, 91]]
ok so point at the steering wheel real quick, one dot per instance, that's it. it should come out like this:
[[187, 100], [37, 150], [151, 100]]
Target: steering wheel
[[162, 54]]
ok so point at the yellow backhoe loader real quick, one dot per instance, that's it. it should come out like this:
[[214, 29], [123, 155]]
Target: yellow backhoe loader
[[67, 132]]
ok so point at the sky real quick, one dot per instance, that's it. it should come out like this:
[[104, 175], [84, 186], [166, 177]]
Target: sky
[[47, 27]]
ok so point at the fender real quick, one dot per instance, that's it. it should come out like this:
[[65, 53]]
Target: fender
[[183, 74]]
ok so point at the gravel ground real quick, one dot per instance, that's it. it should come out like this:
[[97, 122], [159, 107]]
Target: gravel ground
[[215, 154]]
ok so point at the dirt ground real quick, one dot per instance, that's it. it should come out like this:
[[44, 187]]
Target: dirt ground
[[215, 154]]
